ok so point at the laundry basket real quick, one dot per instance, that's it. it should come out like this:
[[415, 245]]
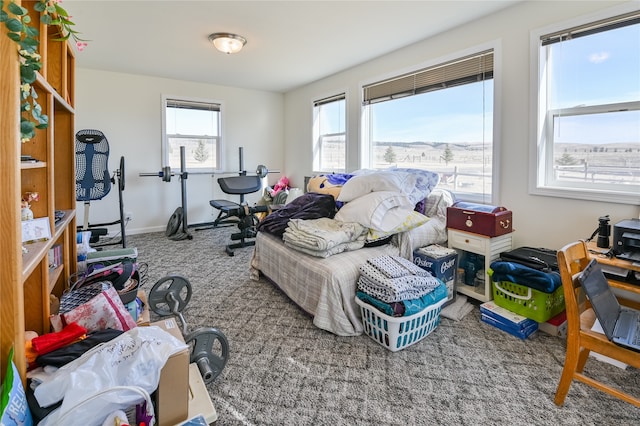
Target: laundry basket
[[396, 333]]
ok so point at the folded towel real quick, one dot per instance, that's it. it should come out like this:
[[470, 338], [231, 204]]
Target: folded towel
[[322, 234], [458, 309], [408, 282]]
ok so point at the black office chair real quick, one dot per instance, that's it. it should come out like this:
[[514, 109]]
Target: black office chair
[[240, 213], [93, 181]]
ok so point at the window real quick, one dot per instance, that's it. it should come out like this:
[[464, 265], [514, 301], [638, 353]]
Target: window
[[587, 140], [196, 126], [329, 134], [439, 118]]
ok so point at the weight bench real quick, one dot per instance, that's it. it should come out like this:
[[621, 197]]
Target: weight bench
[[240, 213]]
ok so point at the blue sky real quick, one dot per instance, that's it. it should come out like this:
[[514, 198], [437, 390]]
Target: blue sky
[[453, 115], [596, 69]]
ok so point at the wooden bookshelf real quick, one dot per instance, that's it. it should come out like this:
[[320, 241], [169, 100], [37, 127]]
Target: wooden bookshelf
[[26, 281]]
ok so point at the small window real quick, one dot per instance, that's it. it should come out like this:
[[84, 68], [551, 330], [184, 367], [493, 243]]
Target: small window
[[329, 134], [588, 102], [196, 126]]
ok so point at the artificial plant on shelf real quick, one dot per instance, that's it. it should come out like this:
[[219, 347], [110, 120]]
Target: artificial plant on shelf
[[18, 23]]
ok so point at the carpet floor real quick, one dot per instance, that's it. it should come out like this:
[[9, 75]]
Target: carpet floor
[[282, 370]]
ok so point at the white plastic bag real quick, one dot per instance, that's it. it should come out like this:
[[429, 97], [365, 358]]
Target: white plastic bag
[[133, 359]]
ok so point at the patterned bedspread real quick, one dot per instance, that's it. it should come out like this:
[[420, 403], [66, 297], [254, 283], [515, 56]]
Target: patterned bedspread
[[326, 287], [323, 287]]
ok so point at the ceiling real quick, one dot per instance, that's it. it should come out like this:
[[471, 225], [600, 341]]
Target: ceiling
[[290, 43]]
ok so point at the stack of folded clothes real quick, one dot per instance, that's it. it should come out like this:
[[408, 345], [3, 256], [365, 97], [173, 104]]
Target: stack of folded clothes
[[397, 287]]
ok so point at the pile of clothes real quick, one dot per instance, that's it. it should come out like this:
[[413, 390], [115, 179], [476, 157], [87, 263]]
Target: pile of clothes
[[397, 287], [323, 237]]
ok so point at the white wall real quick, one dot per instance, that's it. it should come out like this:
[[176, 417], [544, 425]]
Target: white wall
[[127, 109], [538, 221]]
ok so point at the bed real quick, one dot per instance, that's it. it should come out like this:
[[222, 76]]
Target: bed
[[325, 287]]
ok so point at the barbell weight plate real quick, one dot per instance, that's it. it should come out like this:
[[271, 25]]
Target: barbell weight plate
[[121, 174], [167, 292], [262, 171], [166, 174], [174, 223], [209, 350]]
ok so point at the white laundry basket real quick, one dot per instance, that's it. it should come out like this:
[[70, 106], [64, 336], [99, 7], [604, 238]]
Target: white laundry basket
[[395, 333]]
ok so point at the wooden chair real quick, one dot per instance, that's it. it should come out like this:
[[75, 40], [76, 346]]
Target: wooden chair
[[572, 259]]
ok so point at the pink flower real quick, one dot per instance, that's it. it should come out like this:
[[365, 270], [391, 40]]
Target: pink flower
[[81, 45]]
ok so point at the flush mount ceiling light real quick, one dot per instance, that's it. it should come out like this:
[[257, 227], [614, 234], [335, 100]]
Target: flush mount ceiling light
[[227, 42]]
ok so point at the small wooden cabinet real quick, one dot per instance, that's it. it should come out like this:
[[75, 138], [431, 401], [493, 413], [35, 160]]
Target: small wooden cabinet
[[27, 280], [488, 247]]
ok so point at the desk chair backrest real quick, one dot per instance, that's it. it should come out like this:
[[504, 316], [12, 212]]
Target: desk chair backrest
[[572, 259], [92, 165], [240, 185]]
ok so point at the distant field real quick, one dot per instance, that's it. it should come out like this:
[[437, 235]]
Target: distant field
[[613, 162]]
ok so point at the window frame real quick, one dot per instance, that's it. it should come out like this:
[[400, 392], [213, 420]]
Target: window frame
[[317, 137], [541, 158], [218, 139], [366, 152]]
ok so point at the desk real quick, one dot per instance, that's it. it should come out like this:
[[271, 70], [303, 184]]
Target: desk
[[619, 263]]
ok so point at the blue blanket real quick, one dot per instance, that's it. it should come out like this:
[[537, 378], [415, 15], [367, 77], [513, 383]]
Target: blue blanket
[[546, 282], [411, 307]]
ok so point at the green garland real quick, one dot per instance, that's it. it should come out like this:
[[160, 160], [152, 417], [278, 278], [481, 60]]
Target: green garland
[[17, 20]]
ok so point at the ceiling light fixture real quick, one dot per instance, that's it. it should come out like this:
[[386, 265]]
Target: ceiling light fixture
[[227, 42]]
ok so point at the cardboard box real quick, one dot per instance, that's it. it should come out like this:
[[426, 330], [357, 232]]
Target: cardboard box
[[199, 401], [507, 321], [556, 326], [144, 318], [442, 263], [504, 315], [171, 399]]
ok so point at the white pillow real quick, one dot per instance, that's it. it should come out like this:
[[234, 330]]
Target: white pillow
[[425, 182], [380, 210], [360, 185], [413, 220]]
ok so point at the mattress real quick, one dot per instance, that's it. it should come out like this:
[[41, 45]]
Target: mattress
[[323, 287]]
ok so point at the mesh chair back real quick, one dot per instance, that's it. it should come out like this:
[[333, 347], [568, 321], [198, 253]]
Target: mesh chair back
[[240, 184], [92, 162]]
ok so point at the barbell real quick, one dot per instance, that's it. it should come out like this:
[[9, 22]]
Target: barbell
[[209, 346], [165, 174]]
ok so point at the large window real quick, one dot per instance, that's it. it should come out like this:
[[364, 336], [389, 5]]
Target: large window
[[329, 134], [194, 124], [439, 118], [587, 140]]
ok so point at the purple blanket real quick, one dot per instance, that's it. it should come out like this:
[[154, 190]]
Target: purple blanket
[[308, 206]]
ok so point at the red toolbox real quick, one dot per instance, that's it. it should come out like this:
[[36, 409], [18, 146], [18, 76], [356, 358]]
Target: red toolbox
[[480, 219]]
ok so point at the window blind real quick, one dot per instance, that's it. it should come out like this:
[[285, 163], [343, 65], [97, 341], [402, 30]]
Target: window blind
[[328, 100], [202, 106], [466, 70], [591, 28]]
